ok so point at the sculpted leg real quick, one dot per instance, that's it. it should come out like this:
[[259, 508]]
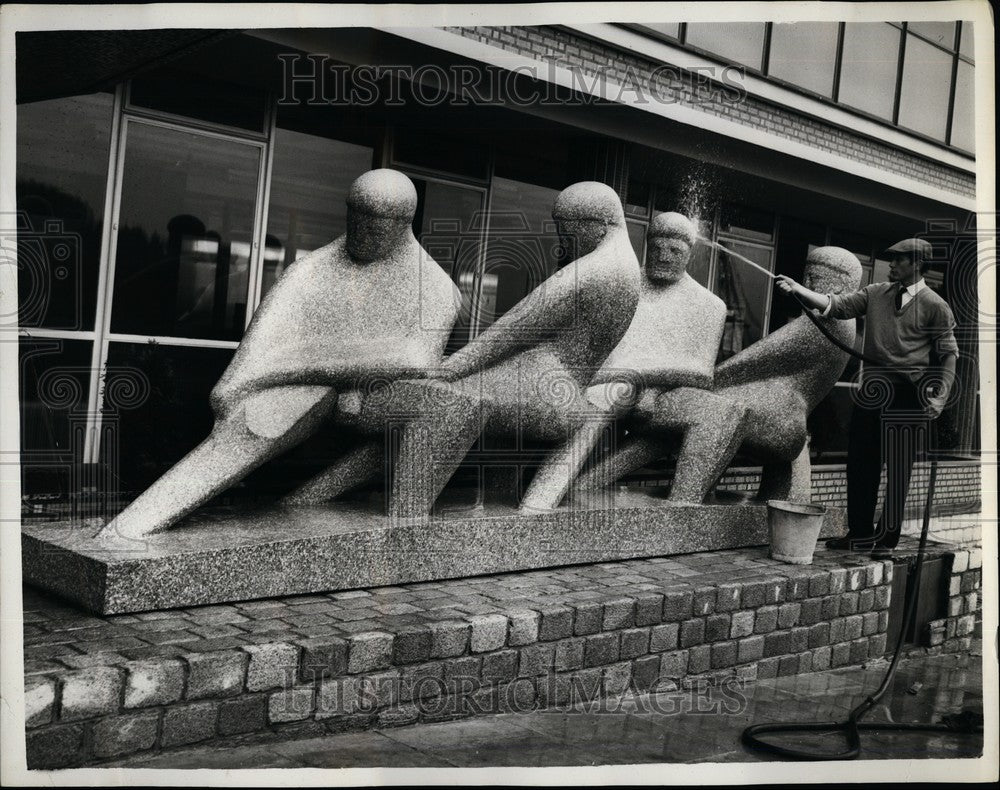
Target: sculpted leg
[[266, 425], [560, 469], [635, 452], [361, 464], [715, 427], [433, 445], [788, 480]]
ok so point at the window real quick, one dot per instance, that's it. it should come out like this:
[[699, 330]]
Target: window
[[740, 42], [746, 293], [310, 177], [868, 68], [963, 124], [666, 29], [804, 54], [185, 232], [923, 102], [62, 173]]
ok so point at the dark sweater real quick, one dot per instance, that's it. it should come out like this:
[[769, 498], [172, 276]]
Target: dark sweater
[[916, 337]]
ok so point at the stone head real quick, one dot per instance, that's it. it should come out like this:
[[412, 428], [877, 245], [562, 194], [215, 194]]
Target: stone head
[[381, 205], [832, 270], [670, 239], [584, 214]]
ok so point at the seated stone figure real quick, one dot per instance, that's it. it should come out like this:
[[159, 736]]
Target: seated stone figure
[[760, 401], [673, 341], [370, 305], [526, 375]]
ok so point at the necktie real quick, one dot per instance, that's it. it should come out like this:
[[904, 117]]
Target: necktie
[[899, 298]]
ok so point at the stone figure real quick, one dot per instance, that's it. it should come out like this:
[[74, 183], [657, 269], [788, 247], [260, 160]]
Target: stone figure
[[370, 306], [672, 342], [527, 374], [760, 400]]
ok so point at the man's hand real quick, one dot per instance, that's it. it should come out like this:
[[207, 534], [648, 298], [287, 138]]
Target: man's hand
[[935, 405], [787, 284]]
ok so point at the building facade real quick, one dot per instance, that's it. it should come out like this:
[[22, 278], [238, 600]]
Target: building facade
[[160, 197]]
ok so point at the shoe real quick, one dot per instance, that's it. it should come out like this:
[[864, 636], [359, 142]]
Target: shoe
[[847, 543]]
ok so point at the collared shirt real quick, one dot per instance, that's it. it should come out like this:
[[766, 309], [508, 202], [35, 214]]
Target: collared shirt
[[908, 293]]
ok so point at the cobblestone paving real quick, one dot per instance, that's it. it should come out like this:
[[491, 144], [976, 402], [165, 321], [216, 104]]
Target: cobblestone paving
[[682, 726]]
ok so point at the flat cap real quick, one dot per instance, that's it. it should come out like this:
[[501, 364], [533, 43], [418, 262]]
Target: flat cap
[[922, 248]]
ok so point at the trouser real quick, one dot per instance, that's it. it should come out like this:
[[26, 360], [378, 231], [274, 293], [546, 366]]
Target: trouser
[[892, 433]]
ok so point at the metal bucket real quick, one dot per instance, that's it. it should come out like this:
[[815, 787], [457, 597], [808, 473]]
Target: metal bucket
[[794, 528]]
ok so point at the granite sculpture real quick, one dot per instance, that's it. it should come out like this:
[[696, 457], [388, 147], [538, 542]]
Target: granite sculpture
[[672, 342], [366, 309], [527, 374], [759, 401]]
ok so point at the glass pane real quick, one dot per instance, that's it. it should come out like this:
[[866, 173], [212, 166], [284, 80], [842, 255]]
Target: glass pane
[[747, 222], [963, 122], [941, 33], [310, 178], [828, 425], [796, 238], [186, 225], [522, 248], [637, 235], [966, 45], [54, 378], [740, 42], [432, 150], [668, 29], [449, 224], [868, 69], [62, 173], [637, 197], [147, 438], [923, 102], [700, 263], [804, 54], [182, 93], [745, 292]]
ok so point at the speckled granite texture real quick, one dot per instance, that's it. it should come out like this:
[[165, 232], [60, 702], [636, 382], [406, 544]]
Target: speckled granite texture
[[759, 401], [368, 308], [217, 556]]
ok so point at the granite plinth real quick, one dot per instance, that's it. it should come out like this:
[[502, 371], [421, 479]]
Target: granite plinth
[[223, 555]]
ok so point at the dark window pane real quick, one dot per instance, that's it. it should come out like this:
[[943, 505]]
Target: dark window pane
[[923, 102], [151, 435], [804, 54], [796, 238], [637, 235], [522, 248], [637, 197], [62, 172], [747, 222], [54, 379], [181, 93], [449, 224], [740, 42], [432, 150], [700, 263], [941, 33], [310, 178], [745, 292], [963, 124], [185, 232], [828, 426], [868, 70], [668, 29], [966, 45]]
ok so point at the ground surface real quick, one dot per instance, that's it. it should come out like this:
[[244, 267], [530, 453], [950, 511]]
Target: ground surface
[[681, 726]]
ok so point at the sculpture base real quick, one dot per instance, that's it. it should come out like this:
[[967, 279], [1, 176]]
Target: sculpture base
[[228, 555]]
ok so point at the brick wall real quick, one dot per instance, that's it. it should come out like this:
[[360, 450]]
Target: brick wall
[[594, 57], [101, 688], [965, 603]]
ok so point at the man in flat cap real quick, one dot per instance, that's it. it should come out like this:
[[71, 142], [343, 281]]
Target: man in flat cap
[[909, 329]]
